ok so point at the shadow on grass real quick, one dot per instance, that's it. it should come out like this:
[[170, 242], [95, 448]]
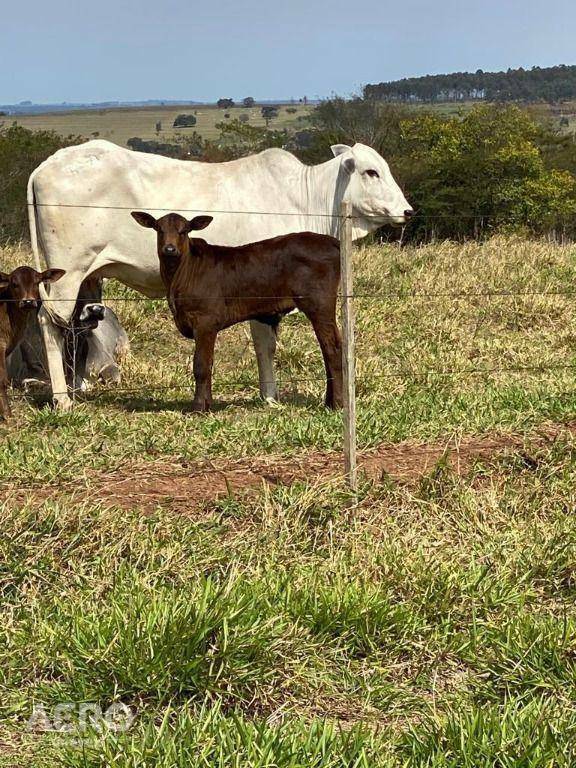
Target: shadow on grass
[[141, 402]]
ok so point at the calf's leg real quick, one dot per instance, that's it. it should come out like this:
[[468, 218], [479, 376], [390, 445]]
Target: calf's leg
[[203, 361], [330, 342], [4, 402], [264, 340]]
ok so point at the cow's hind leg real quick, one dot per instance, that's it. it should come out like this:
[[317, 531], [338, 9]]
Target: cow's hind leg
[[264, 338], [54, 344]]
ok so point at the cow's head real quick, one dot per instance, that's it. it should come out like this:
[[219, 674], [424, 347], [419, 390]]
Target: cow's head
[[23, 285], [172, 231], [375, 196]]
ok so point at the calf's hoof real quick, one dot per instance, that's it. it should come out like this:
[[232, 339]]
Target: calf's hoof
[[35, 385], [200, 406]]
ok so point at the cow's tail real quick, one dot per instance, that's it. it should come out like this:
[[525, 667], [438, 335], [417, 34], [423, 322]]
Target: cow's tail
[[33, 221], [36, 247]]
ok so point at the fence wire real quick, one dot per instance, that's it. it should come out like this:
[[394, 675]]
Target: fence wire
[[360, 295], [382, 296], [283, 381], [415, 216]]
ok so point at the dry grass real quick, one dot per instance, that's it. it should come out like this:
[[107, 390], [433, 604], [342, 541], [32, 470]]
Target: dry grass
[[119, 125]]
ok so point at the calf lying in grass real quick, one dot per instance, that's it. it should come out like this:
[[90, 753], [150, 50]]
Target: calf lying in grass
[[19, 302], [211, 287], [93, 345]]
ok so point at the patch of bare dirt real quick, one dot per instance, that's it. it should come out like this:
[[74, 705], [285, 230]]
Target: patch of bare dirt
[[189, 487]]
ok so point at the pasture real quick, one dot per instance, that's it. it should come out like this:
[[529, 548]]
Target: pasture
[[212, 573], [120, 124]]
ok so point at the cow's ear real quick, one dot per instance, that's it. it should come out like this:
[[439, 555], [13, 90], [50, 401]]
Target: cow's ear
[[199, 222], [145, 219], [4, 280], [349, 165], [339, 149], [51, 275]]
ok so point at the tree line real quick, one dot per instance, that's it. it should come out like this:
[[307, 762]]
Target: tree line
[[551, 84]]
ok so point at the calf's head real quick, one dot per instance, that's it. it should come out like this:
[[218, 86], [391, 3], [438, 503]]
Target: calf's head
[[172, 231], [23, 285]]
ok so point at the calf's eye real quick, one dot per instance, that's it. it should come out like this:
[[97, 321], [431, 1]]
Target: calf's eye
[[373, 174]]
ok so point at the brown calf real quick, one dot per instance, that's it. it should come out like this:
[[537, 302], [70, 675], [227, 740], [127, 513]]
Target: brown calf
[[211, 287], [19, 301]]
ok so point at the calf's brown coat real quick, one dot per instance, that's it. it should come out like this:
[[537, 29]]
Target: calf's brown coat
[[212, 287], [19, 301]]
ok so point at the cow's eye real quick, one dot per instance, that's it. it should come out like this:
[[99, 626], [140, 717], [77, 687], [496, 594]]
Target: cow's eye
[[373, 174]]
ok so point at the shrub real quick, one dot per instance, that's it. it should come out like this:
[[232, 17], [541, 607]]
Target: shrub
[[493, 168], [21, 151], [185, 121]]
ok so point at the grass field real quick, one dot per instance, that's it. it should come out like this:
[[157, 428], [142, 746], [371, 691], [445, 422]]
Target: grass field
[[119, 125], [285, 625]]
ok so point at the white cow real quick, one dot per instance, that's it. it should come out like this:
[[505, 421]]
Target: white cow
[[79, 203]]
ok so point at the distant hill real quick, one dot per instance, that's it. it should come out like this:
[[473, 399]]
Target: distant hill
[[29, 108], [549, 84]]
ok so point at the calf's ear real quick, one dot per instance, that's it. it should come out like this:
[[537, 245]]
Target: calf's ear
[[4, 280], [145, 219], [51, 275], [199, 222]]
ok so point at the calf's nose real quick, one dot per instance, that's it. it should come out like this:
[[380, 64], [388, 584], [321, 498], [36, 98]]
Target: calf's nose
[[408, 213], [93, 312], [97, 311], [28, 304], [170, 250]]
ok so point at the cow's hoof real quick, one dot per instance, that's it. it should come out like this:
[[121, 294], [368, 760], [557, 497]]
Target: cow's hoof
[[271, 402], [270, 395], [62, 403], [200, 406], [110, 374]]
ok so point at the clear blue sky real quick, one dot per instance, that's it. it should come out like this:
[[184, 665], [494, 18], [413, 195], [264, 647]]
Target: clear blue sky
[[73, 50]]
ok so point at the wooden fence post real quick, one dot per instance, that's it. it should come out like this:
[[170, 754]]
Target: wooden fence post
[[348, 354]]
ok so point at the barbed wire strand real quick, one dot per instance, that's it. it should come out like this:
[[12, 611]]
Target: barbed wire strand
[[415, 216], [384, 296], [429, 372]]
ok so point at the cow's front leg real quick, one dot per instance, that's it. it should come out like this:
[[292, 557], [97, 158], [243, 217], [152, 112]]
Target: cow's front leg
[[203, 361], [4, 402], [54, 344], [264, 339]]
